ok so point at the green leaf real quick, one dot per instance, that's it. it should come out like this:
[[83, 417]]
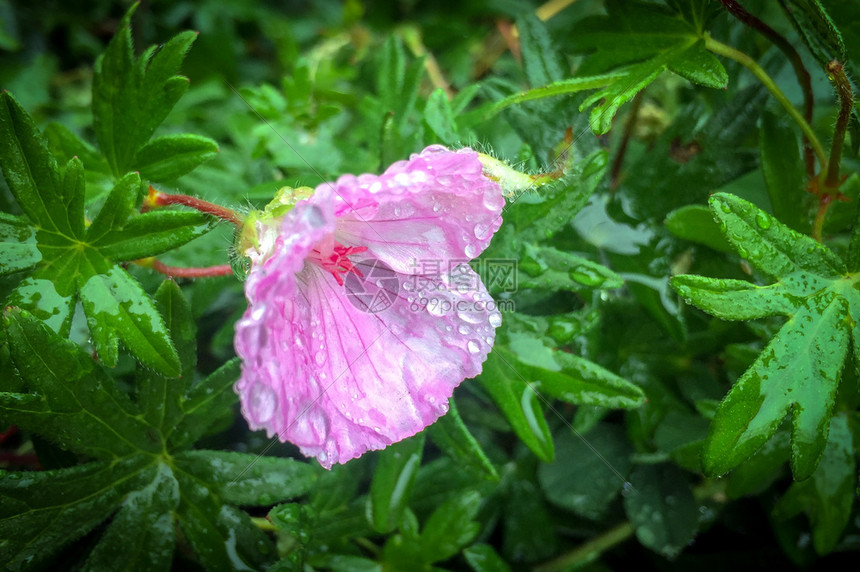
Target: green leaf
[[800, 368], [783, 170], [152, 233], [735, 299], [223, 537], [629, 34], [117, 308], [548, 268], [169, 157], [541, 60], [529, 533], [827, 496], [439, 117], [142, 534], [160, 395], [248, 480], [29, 168], [518, 401], [696, 223], [67, 257], [132, 96], [483, 558], [597, 480], [452, 436], [392, 483], [42, 511], [73, 402], [203, 403], [18, 250], [662, 509], [451, 527], [757, 473], [567, 377], [769, 245]]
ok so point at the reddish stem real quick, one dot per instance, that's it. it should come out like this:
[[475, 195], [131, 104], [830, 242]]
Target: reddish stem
[[159, 199], [193, 272]]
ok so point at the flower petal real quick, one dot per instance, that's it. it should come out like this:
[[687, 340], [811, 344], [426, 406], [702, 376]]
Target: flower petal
[[436, 205], [337, 380]]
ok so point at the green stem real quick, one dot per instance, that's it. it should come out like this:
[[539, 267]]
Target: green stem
[[793, 56], [590, 550], [563, 87], [727, 51]]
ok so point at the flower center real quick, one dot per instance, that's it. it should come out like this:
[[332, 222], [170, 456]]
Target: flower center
[[333, 257]]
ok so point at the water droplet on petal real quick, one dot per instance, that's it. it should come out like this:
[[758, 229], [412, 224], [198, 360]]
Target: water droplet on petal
[[262, 402], [470, 250], [482, 231], [464, 329], [473, 346], [495, 320], [319, 357]]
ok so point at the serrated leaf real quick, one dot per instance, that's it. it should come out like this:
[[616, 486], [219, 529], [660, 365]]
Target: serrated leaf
[[29, 168], [121, 202], [203, 403], [392, 483], [161, 396], [42, 511], [828, 495], [648, 41], [117, 308], [70, 261], [223, 537], [518, 402], [662, 509], [450, 527], [800, 368], [73, 402], [168, 157], [541, 60], [768, 244], [152, 233], [735, 299], [142, 534], [452, 436], [132, 96], [18, 250], [248, 480]]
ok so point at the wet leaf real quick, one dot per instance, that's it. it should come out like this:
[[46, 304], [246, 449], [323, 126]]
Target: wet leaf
[[800, 368]]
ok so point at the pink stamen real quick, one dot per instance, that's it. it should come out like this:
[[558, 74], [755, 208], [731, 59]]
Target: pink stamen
[[333, 257]]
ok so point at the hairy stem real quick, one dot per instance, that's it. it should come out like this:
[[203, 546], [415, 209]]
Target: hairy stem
[[793, 56], [836, 73], [727, 51], [183, 272], [159, 199]]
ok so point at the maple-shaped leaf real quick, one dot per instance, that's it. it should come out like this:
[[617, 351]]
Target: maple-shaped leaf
[[132, 97], [62, 260], [141, 470], [800, 369]]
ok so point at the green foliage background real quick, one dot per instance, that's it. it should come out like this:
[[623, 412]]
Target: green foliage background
[[677, 387]]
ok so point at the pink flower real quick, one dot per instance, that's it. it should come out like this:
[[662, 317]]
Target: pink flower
[[363, 313]]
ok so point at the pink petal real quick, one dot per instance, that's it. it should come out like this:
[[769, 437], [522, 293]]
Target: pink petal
[[436, 205], [338, 381]]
